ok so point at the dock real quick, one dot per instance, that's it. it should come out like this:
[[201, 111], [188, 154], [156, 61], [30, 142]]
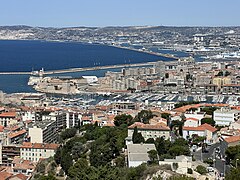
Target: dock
[[71, 70]]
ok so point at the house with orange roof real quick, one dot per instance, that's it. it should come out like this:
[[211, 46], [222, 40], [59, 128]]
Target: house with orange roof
[[158, 120], [8, 118], [204, 130], [18, 177], [4, 175], [197, 114], [23, 168], [17, 136], [86, 120], [228, 142], [35, 151], [150, 131], [192, 122]]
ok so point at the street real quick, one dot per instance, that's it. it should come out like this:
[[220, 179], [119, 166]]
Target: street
[[219, 163]]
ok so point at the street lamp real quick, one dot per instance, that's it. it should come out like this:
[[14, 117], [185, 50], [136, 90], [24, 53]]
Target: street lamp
[[236, 162]]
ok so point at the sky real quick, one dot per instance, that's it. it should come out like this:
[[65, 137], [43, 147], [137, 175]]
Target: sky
[[100, 13]]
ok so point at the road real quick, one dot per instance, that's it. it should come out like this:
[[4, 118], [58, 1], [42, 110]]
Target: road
[[219, 163]]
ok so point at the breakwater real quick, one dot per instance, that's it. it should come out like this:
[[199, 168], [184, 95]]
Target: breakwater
[[82, 69]]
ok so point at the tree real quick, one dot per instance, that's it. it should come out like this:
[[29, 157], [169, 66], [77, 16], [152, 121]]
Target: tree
[[166, 75], [227, 73], [41, 168], [233, 153], [144, 116], [68, 133], [123, 119], [220, 73], [209, 110], [153, 156], [234, 174], [48, 177], [201, 169], [137, 137], [178, 150], [166, 116], [78, 150], [178, 125], [162, 145], [58, 156], [66, 162], [150, 141], [208, 121]]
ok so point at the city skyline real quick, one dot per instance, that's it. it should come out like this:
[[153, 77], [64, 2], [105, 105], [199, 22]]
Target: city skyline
[[125, 13]]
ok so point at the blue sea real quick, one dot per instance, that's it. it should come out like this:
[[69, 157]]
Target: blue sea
[[34, 55]]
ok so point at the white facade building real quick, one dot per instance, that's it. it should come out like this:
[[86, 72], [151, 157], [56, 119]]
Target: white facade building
[[224, 117], [192, 122], [36, 151]]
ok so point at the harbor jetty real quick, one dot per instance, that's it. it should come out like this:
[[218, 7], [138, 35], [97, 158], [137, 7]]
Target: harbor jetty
[[81, 69]]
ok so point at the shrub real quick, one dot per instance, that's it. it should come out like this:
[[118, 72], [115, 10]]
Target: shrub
[[189, 171], [201, 169]]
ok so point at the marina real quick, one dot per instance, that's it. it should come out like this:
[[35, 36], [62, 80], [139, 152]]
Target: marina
[[88, 99]]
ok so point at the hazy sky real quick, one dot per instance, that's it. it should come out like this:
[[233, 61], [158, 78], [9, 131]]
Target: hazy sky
[[59, 13]]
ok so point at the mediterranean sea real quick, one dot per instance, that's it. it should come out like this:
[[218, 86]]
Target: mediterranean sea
[[21, 56]]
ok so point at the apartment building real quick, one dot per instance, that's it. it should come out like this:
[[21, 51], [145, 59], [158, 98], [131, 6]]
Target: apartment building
[[35, 151], [225, 116], [150, 131]]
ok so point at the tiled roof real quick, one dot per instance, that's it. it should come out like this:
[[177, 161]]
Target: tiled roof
[[209, 127], [8, 114], [191, 119], [185, 108], [4, 175], [232, 139], [140, 125], [18, 133], [18, 176], [203, 127], [39, 145]]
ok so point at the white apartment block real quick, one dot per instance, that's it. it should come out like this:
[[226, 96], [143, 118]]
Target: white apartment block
[[36, 151], [223, 116]]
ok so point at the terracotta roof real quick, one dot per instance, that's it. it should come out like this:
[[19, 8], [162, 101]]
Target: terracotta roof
[[85, 118], [185, 108], [39, 145], [191, 119], [8, 114], [209, 127], [203, 127], [109, 124], [4, 175], [18, 133], [232, 139], [193, 128], [12, 128], [19, 176], [140, 125], [1, 128]]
